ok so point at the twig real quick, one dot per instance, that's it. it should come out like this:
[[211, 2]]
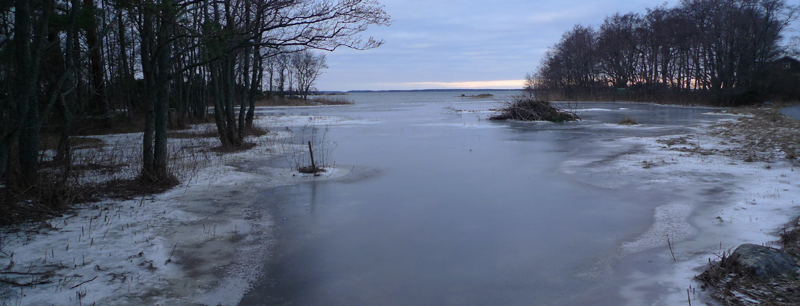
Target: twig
[[670, 250], [170, 254], [78, 285], [688, 297]]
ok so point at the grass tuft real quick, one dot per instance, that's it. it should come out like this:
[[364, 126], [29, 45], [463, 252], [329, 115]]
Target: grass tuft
[[628, 120]]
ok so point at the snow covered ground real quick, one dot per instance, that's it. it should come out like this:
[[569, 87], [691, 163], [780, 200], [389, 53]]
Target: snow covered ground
[[198, 243], [763, 197]]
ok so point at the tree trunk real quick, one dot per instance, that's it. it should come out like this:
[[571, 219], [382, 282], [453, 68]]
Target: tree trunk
[[245, 99], [162, 105], [96, 58], [28, 55], [63, 150], [125, 72], [255, 86], [150, 96], [218, 109]]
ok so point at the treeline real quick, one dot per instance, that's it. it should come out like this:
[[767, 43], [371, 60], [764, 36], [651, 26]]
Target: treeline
[[294, 73], [69, 63], [701, 51]]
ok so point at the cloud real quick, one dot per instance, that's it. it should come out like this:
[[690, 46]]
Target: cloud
[[496, 84], [453, 41]]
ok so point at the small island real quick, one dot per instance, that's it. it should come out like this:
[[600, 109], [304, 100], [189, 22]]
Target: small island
[[525, 109], [486, 95]]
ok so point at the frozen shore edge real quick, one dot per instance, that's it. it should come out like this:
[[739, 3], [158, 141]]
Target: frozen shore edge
[[199, 243], [754, 209]]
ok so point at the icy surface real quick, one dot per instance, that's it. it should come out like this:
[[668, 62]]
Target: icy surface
[[206, 241], [199, 243], [762, 198]]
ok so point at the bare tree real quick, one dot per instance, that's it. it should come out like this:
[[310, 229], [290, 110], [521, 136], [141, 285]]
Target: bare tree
[[307, 67], [618, 52]]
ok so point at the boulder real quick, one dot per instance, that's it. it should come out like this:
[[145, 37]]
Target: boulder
[[763, 262]]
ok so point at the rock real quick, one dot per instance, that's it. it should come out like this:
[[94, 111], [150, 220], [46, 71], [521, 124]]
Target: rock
[[763, 262]]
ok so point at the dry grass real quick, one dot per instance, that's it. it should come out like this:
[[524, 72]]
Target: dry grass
[[331, 100], [762, 135], [50, 142], [628, 120], [732, 286], [312, 101], [299, 151], [107, 167]]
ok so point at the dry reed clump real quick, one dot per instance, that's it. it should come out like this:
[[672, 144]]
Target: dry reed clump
[[731, 285], [525, 109], [309, 151], [332, 100], [312, 101], [478, 96], [628, 120]]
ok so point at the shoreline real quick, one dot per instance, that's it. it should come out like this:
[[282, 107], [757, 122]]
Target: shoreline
[[129, 252], [197, 243], [749, 152]]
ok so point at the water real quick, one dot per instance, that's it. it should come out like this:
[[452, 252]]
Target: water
[[446, 208]]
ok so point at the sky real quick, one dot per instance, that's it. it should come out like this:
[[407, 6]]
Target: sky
[[468, 43], [464, 44]]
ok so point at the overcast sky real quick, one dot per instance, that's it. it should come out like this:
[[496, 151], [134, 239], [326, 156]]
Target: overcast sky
[[455, 44], [465, 43]]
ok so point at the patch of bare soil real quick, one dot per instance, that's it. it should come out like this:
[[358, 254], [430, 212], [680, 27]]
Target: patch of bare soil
[[763, 134]]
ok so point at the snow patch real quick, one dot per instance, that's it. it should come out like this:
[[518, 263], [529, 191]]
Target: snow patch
[[671, 224]]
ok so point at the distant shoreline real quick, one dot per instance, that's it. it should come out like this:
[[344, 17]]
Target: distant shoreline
[[430, 90]]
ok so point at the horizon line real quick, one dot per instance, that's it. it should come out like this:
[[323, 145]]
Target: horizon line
[[425, 89]]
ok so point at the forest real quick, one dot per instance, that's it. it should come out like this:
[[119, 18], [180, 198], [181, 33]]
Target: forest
[[70, 67], [712, 52]]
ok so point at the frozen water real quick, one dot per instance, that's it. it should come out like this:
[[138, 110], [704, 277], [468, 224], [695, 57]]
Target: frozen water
[[426, 205]]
